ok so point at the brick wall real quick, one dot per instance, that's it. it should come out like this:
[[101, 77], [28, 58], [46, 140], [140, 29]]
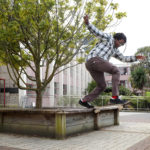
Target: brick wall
[[11, 90]]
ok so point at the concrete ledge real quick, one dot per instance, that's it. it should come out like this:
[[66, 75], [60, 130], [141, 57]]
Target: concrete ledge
[[57, 122]]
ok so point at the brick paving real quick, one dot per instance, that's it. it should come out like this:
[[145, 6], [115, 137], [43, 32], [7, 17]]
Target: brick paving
[[133, 133], [142, 145], [9, 148]]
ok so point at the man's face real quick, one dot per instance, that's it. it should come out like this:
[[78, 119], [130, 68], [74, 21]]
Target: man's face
[[119, 43]]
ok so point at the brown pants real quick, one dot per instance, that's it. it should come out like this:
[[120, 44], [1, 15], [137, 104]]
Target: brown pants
[[96, 67]]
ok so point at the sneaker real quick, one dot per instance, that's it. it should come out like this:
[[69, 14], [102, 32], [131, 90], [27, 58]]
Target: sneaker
[[119, 101], [112, 101], [85, 104]]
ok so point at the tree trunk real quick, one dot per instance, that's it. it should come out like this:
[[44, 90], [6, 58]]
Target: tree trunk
[[38, 98], [38, 84]]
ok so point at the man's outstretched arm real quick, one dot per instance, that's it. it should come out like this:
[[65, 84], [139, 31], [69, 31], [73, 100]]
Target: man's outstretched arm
[[94, 30]]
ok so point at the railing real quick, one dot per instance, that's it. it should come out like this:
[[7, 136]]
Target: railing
[[137, 103]]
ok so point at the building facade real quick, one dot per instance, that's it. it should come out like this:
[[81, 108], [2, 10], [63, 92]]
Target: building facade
[[66, 88], [8, 90]]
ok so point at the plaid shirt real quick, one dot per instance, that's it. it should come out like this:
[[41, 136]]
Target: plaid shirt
[[105, 47]]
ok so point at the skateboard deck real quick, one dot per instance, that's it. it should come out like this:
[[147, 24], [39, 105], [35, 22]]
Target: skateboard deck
[[108, 107]]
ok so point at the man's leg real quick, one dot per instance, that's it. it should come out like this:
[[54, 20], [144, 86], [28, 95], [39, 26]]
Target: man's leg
[[98, 76], [115, 81], [115, 87], [101, 85], [97, 66], [100, 65]]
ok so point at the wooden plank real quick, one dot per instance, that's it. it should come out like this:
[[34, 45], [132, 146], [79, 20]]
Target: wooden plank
[[80, 128], [47, 131], [47, 111], [105, 118], [60, 126], [110, 107], [96, 121], [77, 119], [116, 117], [29, 119], [58, 122]]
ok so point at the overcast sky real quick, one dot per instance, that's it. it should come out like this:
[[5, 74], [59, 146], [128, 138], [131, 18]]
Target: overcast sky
[[136, 26]]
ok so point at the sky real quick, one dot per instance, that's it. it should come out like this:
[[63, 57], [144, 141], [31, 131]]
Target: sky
[[136, 26]]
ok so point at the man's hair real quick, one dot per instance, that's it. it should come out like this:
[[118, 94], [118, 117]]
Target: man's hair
[[120, 36]]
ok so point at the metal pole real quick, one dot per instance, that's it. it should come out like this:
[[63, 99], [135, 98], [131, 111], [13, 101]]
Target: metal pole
[[137, 104], [4, 92]]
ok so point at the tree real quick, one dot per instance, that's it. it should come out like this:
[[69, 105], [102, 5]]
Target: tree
[[124, 91], [145, 51], [138, 77], [91, 86], [52, 31]]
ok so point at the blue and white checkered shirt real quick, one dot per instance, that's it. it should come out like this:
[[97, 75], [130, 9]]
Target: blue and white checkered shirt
[[105, 47]]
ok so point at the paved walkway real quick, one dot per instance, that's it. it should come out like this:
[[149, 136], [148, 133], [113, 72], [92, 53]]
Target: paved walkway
[[133, 133]]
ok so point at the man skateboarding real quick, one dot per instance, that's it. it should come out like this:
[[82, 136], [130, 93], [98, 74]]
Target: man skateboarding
[[97, 63]]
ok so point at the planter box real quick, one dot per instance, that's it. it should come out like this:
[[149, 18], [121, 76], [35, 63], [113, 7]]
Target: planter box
[[56, 122]]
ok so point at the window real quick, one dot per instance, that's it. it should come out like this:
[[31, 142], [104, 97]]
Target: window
[[71, 90], [123, 71], [64, 89], [30, 92], [56, 88], [109, 84]]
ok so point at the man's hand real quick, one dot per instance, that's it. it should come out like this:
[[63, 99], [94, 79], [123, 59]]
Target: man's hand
[[86, 19], [140, 57]]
